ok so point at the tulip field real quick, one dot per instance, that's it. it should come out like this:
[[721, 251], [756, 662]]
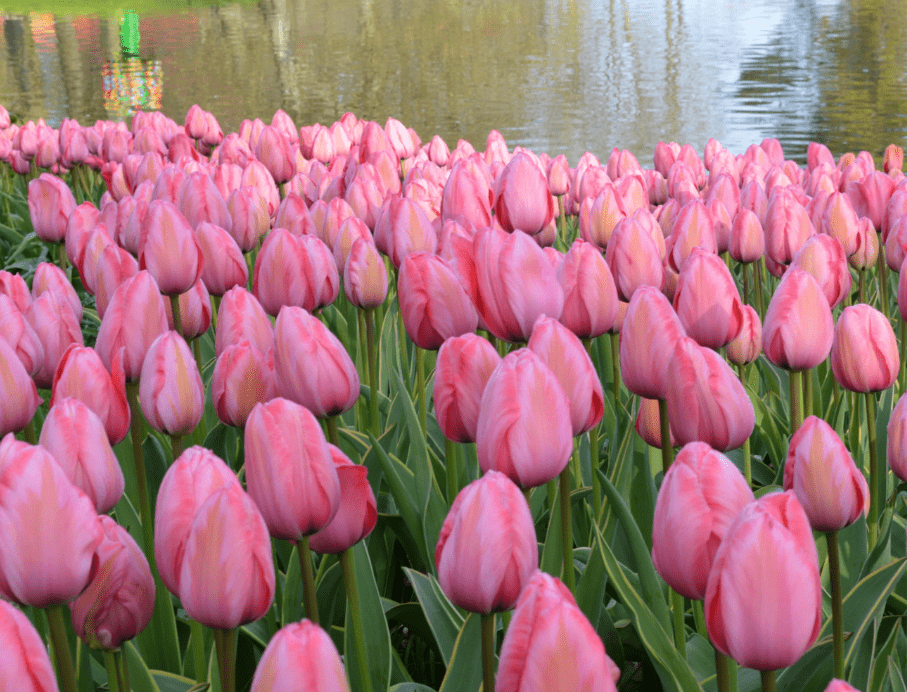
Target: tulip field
[[326, 408]]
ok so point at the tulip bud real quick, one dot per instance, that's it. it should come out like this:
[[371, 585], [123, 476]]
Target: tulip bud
[[798, 329], [20, 336], [170, 250], [706, 300], [856, 367], [170, 388], [747, 345], [50, 202], [224, 265], [823, 257], [357, 513], [300, 656], [364, 275], [19, 395], [463, 368], [522, 200], [590, 296]]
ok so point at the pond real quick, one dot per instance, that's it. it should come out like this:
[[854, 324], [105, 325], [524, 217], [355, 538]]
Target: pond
[[559, 76]]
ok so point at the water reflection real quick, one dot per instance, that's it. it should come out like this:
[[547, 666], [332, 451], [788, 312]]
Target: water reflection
[[562, 76]]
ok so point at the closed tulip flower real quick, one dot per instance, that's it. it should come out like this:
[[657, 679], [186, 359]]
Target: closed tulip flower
[[563, 353], [200, 201], [14, 286], [798, 329], [20, 336], [50, 202], [249, 214], [463, 368], [57, 328], [434, 304], [224, 266], [407, 230], [487, 550], [634, 258], [300, 656], [700, 496], [357, 513], [763, 603], [311, 364], [119, 601], [49, 277], [897, 439], [468, 193], [239, 317], [226, 577], [195, 311], [706, 300], [839, 220], [24, 663], [648, 423], [524, 428], [50, 529], [243, 376], [170, 250], [747, 243], [114, 266], [365, 275], [693, 227], [170, 390], [823, 257], [747, 345], [551, 645], [822, 474], [787, 227], [705, 399], [590, 296], [840, 686], [77, 439], [276, 153], [19, 397], [289, 470], [864, 355], [522, 200]]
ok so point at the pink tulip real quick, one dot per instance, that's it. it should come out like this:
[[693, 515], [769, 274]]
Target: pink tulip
[[747, 345], [50, 202], [365, 275], [840, 221], [693, 227], [49, 527], [551, 645], [239, 317], [20, 336], [840, 686], [299, 656], [700, 496], [76, 438], [867, 244], [487, 549], [468, 193], [49, 277], [170, 250], [747, 242], [510, 435], [648, 334], [522, 200], [706, 300], [822, 474], [823, 257], [763, 603], [293, 215], [705, 399], [289, 470], [605, 211], [191, 480], [243, 376], [463, 368], [870, 195], [311, 365], [24, 663], [14, 286], [200, 201], [195, 311], [119, 601], [590, 296], [407, 230], [634, 258], [249, 214], [798, 329], [170, 388], [564, 354], [57, 328], [648, 423], [276, 153], [227, 577], [864, 355], [787, 227], [357, 513]]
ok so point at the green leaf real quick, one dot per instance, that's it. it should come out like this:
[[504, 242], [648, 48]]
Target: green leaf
[[410, 687], [140, 678], [442, 616], [291, 606], [866, 600], [879, 669], [552, 556], [464, 673], [811, 673], [168, 682], [374, 625]]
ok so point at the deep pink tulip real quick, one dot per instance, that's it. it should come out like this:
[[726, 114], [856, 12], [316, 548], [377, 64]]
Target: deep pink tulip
[[50, 202], [20, 336], [24, 663], [191, 480], [170, 250], [434, 304], [798, 330], [648, 334], [289, 470], [747, 345], [119, 601], [823, 257], [170, 388], [249, 214], [311, 365], [551, 645], [226, 576], [516, 283], [822, 474], [763, 604], [706, 401], [76, 438], [590, 296], [522, 200], [239, 317], [294, 271], [357, 513], [864, 355], [463, 368], [300, 656], [365, 275], [242, 377], [510, 436], [706, 300], [487, 549], [700, 496], [50, 529], [564, 354]]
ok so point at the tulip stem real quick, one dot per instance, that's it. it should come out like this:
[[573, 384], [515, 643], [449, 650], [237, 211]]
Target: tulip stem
[[308, 579], [837, 612], [882, 272], [861, 291], [746, 284], [876, 480], [768, 681], [352, 596], [796, 400], [176, 444], [722, 672], [132, 394], [667, 451], [225, 642], [372, 367], [488, 652], [593, 462], [198, 651], [61, 256], [747, 460], [450, 460], [760, 297], [66, 673], [177, 318], [567, 530], [680, 631], [333, 435], [29, 433], [113, 679], [615, 368], [420, 386], [807, 378]]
